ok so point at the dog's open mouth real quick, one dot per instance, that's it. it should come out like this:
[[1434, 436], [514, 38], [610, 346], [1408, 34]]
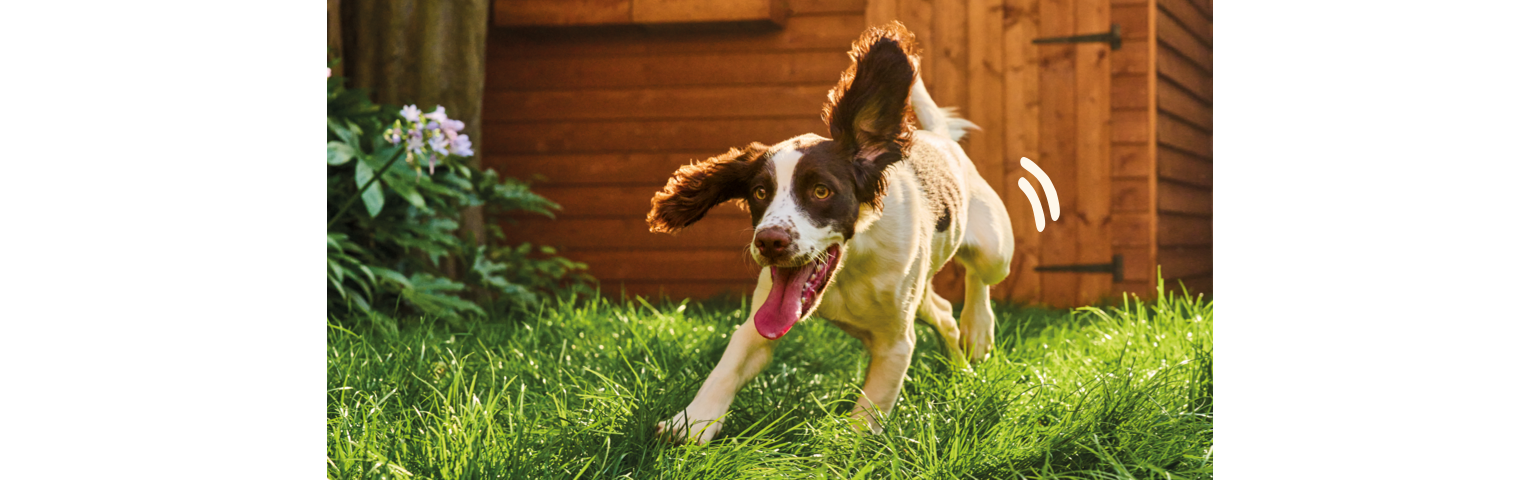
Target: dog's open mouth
[[793, 293]]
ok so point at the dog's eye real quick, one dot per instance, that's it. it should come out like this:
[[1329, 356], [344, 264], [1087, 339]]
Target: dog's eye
[[821, 192], [759, 193]]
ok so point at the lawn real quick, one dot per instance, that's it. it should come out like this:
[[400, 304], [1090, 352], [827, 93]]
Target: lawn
[[575, 390]]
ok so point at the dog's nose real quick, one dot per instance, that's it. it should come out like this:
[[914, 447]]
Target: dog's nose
[[772, 242]]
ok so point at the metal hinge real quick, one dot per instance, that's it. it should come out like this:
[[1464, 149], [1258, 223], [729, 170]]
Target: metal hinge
[[1114, 38], [1115, 268]]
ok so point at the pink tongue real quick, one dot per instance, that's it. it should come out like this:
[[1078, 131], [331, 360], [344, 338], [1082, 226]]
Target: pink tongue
[[783, 307]]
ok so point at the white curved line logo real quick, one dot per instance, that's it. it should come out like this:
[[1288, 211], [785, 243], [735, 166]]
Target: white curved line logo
[[1048, 192]]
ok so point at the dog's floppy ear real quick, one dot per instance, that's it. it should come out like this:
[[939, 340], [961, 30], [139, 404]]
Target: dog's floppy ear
[[868, 111], [697, 187]]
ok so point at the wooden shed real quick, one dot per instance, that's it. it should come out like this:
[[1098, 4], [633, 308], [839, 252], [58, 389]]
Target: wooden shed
[[600, 100]]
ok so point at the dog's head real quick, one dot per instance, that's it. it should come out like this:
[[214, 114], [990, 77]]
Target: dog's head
[[809, 195]]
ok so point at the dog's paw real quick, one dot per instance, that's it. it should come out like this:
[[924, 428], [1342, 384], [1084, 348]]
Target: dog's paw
[[682, 429], [977, 343]]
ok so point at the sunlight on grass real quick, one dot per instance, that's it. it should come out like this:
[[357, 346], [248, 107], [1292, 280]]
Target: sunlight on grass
[[575, 390]]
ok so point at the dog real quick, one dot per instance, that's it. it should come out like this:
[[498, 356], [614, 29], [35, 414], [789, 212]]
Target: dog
[[852, 227]]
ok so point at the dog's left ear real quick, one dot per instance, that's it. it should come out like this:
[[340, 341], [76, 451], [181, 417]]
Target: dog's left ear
[[867, 111]]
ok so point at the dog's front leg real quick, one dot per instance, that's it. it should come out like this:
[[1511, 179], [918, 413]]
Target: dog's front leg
[[891, 354], [747, 353]]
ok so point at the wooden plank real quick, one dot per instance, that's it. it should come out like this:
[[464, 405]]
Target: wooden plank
[[1206, 7], [947, 56], [677, 290], [1131, 230], [1179, 39], [609, 168], [1201, 285], [985, 89], [1191, 19], [723, 228], [1131, 160], [699, 11], [518, 13], [1143, 290], [1175, 230], [1174, 133], [1021, 111], [1177, 102], [1130, 126], [1184, 167], [1130, 195], [1057, 157], [1132, 20], [575, 72], [1132, 59], [668, 265], [1178, 198], [639, 135], [806, 7], [1137, 265], [1172, 67], [1130, 92], [624, 201], [816, 32], [916, 15], [1094, 150], [695, 102], [879, 12], [1184, 262]]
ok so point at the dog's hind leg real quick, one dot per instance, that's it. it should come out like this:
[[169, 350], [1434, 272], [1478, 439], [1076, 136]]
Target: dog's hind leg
[[937, 312], [986, 254]]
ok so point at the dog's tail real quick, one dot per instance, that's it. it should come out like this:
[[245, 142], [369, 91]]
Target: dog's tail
[[942, 121]]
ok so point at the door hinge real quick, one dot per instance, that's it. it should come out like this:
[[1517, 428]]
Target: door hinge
[[1115, 268], [1113, 38]]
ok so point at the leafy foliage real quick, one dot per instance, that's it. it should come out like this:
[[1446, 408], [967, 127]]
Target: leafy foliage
[[398, 249]]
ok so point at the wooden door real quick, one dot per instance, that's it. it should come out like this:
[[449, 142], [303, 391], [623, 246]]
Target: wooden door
[[1081, 111]]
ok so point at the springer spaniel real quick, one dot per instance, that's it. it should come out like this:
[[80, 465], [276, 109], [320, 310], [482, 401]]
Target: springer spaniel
[[852, 227]]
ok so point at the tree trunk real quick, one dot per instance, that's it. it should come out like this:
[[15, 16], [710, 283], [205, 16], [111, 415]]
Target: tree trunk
[[423, 53]]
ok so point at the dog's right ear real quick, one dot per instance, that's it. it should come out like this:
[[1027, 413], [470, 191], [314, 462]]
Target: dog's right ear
[[697, 187]]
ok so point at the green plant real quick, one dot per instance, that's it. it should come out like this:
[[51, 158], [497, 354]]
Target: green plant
[[395, 246]]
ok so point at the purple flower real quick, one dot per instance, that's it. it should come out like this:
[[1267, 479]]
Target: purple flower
[[437, 115], [410, 112], [414, 144], [454, 125], [461, 145], [438, 144]]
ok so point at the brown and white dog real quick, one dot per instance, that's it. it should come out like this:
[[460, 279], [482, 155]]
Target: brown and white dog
[[852, 228]]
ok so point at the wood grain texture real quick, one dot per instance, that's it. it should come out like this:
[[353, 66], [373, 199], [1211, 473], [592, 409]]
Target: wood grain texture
[[1092, 153], [516, 13], [1176, 230], [1180, 198], [1131, 160], [1179, 103], [1190, 18], [698, 11], [1177, 69], [1185, 262], [669, 265], [1179, 166], [985, 89], [1058, 119], [694, 102], [573, 73], [641, 135], [719, 230], [1022, 134], [1185, 43], [802, 33], [1175, 133]]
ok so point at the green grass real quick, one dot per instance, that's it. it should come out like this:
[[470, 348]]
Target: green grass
[[575, 391]]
